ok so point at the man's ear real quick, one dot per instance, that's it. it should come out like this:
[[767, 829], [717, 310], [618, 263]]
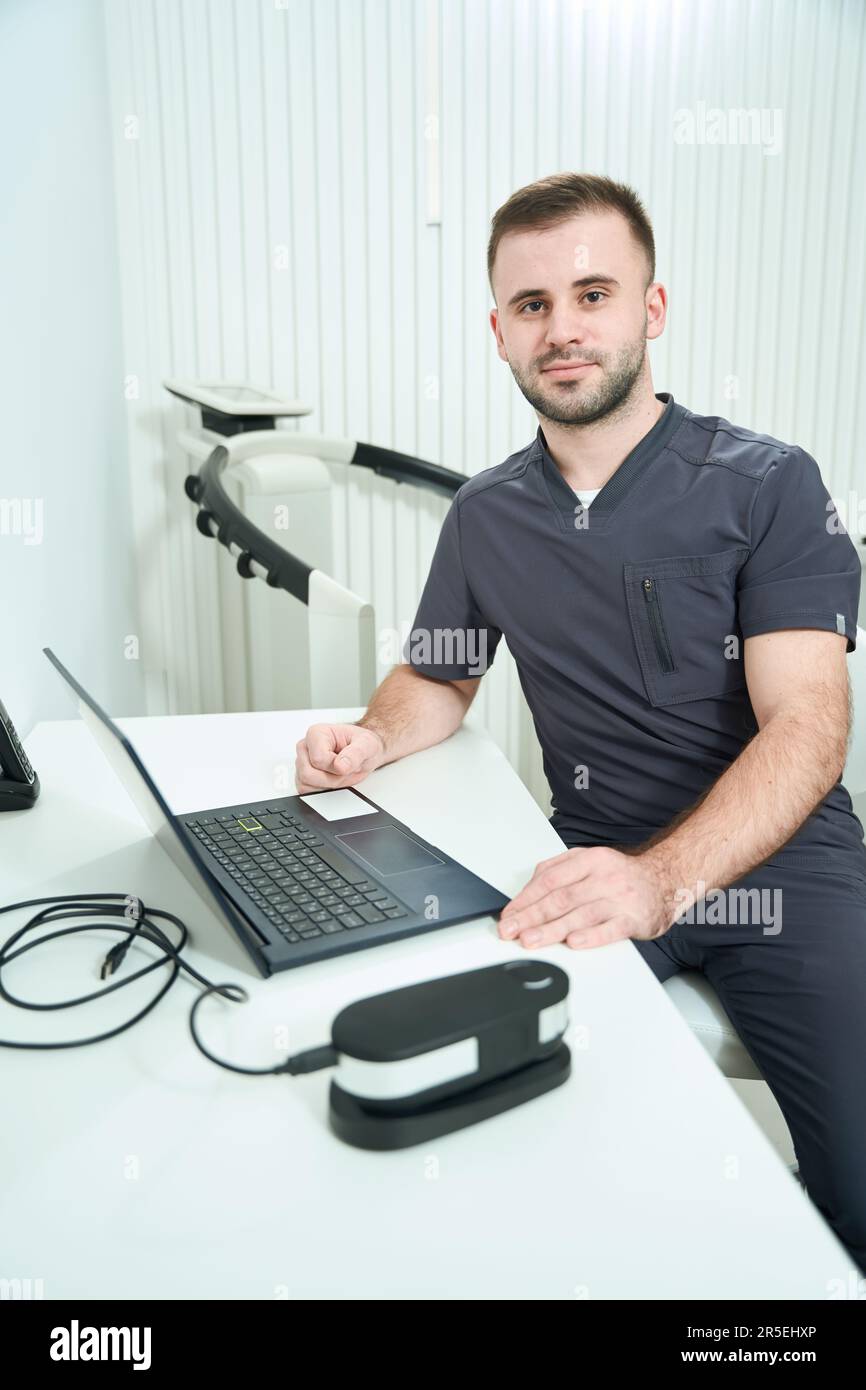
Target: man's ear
[[494, 324]]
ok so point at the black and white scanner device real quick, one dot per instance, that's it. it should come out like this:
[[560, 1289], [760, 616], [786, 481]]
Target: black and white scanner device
[[418, 1062]]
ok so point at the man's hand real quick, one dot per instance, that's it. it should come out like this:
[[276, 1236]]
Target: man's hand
[[336, 755], [590, 896]]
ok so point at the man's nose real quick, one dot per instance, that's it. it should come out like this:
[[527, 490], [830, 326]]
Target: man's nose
[[566, 326]]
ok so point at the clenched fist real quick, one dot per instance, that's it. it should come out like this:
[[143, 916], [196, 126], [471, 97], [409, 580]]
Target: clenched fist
[[336, 755]]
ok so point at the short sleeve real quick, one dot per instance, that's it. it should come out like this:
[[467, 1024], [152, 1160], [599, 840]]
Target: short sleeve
[[450, 639], [803, 568]]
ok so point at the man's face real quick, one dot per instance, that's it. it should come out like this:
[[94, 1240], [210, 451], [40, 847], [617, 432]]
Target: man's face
[[545, 318]]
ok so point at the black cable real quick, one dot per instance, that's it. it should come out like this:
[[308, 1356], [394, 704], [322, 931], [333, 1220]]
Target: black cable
[[312, 1060], [100, 905]]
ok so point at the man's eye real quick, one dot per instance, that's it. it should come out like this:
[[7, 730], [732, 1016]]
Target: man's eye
[[530, 302]]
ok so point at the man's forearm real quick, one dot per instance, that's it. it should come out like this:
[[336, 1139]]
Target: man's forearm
[[410, 712], [754, 808]]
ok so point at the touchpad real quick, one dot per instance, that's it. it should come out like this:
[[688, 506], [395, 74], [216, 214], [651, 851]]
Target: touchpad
[[389, 850]]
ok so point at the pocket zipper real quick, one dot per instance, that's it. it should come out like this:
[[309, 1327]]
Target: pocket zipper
[[663, 650]]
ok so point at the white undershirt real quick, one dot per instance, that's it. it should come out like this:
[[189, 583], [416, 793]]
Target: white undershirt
[[587, 496]]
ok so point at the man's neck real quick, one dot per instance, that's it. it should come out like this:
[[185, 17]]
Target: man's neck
[[588, 455]]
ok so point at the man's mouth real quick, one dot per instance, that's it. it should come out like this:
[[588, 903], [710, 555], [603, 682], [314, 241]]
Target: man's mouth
[[568, 369]]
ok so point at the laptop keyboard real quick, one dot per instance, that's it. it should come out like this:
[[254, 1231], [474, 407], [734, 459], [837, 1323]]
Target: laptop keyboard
[[302, 885]]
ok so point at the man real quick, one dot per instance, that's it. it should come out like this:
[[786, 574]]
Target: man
[[679, 597]]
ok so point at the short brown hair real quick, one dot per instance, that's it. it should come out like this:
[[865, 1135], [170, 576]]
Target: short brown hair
[[555, 199]]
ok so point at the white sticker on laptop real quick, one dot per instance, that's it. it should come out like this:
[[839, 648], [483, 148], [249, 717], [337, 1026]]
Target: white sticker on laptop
[[339, 805]]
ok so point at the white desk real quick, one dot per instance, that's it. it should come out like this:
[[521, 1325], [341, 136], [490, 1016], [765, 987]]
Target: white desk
[[136, 1169]]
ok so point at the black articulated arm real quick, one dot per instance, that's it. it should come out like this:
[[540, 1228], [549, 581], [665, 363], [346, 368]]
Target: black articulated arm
[[220, 519], [403, 468]]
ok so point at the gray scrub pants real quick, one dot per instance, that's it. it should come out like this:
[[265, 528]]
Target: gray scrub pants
[[795, 990]]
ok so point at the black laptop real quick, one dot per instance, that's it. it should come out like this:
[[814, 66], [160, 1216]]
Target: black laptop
[[293, 885]]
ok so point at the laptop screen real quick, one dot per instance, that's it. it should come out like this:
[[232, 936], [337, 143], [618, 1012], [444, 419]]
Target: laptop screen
[[156, 813]]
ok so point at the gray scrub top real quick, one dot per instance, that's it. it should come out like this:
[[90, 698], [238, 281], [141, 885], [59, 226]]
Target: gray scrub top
[[626, 618]]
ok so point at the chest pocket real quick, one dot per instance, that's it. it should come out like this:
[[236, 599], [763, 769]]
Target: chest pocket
[[683, 615]]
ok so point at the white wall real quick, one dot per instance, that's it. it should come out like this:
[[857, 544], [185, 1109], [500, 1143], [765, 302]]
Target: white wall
[[63, 410]]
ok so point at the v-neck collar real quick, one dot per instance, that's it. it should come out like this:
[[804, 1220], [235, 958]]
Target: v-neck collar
[[620, 483]]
